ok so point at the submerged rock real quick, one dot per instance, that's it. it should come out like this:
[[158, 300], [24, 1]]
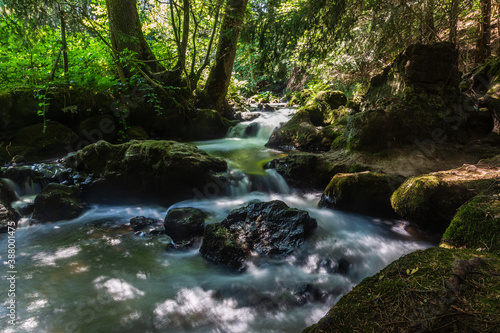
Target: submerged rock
[[265, 107], [362, 192], [57, 202], [267, 228], [138, 223], [184, 224], [251, 130], [159, 170], [431, 200]]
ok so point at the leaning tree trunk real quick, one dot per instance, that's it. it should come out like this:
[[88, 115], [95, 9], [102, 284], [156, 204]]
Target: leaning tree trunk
[[483, 49], [126, 34], [215, 91]]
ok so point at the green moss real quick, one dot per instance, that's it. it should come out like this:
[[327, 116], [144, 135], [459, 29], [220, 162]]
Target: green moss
[[220, 247], [476, 224], [363, 192], [431, 202], [414, 193], [414, 294], [334, 99]]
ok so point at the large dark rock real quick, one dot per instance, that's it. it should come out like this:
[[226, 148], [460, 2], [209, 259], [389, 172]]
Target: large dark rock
[[363, 192], [184, 224], [57, 202], [431, 200], [158, 170], [267, 228]]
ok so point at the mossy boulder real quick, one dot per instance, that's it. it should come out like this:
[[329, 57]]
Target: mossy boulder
[[477, 223], [431, 200], [184, 224], [436, 290], [267, 228], [33, 143], [362, 192], [168, 171], [312, 128], [334, 99], [57, 202]]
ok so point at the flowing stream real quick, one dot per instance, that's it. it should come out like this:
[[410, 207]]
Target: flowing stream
[[93, 274]]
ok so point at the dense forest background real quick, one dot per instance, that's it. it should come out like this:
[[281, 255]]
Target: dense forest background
[[186, 49]]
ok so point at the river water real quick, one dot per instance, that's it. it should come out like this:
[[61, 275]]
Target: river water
[[92, 274]]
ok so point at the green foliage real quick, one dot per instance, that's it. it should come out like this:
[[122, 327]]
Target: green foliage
[[28, 56], [43, 105]]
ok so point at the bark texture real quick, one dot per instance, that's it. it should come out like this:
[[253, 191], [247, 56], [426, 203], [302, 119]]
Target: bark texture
[[215, 91]]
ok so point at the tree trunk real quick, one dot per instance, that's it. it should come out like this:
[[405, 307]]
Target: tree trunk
[[216, 87], [428, 28], [64, 43], [483, 49], [454, 7], [126, 34]]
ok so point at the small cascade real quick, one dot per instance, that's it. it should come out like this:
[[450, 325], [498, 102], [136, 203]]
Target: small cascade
[[239, 184], [270, 182], [12, 185], [278, 182], [30, 188]]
